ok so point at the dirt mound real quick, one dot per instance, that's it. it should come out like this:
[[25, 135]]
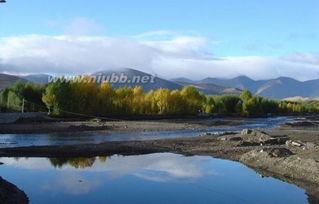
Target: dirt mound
[[284, 163], [254, 137]]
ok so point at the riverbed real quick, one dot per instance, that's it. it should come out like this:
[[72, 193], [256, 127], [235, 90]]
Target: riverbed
[[141, 130]]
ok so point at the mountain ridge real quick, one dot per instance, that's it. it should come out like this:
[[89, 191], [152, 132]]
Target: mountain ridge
[[280, 87]]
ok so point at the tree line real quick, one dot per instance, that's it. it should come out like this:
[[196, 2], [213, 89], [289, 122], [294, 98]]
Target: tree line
[[61, 98]]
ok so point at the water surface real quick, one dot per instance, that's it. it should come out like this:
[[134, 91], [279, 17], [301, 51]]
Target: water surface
[[153, 178]]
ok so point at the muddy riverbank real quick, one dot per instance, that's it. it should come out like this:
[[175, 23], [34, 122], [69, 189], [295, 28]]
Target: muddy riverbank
[[96, 125]]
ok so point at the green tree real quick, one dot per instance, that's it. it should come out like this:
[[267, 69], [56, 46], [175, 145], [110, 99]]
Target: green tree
[[58, 98], [246, 95]]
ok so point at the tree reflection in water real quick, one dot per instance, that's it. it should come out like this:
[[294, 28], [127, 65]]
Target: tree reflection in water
[[79, 162]]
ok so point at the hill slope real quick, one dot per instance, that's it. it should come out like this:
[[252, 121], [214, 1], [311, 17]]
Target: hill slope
[[7, 80], [134, 78]]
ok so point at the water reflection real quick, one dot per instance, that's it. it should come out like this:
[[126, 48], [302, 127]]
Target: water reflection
[[75, 162], [153, 178]]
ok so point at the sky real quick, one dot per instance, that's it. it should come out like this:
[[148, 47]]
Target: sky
[[170, 38]]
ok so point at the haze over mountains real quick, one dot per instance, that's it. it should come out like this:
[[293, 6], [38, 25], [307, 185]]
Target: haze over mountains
[[37, 78], [282, 87]]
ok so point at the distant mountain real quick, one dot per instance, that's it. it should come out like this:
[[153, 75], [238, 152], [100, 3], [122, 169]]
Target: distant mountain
[[178, 83], [209, 88], [37, 78], [281, 87], [284, 87], [241, 82], [135, 74], [7, 80], [182, 80]]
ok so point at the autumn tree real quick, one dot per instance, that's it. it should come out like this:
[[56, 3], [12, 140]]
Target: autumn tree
[[105, 99], [123, 100]]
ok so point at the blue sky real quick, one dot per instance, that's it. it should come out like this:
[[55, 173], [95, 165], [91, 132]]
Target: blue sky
[[237, 29]]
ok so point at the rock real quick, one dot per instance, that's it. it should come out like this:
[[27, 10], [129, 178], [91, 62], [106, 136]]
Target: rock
[[297, 144], [230, 138], [258, 133], [280, 152], [303, 145], [222, 138], [235, 139], [246, 132], [288, 143], [311, 145], [96, 120], [246, 144], [274, 141], [227, 133]]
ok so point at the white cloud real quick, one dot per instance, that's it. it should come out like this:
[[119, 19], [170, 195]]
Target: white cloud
[[166, 53], [160, 167], [304, 58]]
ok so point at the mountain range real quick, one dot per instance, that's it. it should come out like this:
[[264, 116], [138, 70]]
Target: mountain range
[[207, 88], [279, 88]]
